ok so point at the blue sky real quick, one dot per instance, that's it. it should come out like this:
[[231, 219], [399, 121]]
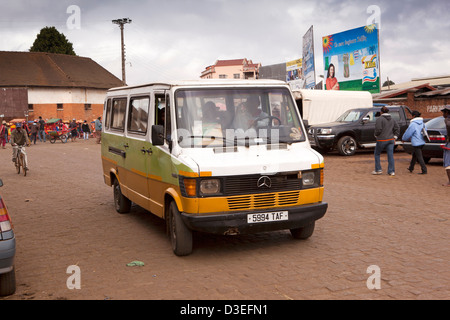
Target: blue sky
[[177, 39]]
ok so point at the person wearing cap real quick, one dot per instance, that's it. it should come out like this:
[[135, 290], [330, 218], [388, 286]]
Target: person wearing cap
[[446, 158], [19, 137], [414, 134], [73, 130], [3, 134], [386, 132]]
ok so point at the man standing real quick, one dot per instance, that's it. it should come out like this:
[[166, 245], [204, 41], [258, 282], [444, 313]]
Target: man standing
[[386, 132], [414, 134], [41, 129], [98, 129]]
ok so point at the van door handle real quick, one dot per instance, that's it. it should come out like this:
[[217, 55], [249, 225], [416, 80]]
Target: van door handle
[[149, 151]]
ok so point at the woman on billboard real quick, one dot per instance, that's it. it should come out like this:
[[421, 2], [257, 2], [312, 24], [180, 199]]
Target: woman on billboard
[[332, 82]]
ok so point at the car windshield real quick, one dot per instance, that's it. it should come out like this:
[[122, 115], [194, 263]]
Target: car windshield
[[436, 123], [351, 116], [230, 117]]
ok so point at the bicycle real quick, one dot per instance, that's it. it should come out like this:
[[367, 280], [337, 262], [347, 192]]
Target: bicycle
[[20, 161]]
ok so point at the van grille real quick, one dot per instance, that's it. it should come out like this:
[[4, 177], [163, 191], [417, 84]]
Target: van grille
[[265, 200], [240, 185]]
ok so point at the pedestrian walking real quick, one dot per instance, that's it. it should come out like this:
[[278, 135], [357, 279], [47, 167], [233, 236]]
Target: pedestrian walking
[[34, 132], [446, 147], [414, 134], [41, 132], [86, 130], [73, 130], [98, 129], [387, 131], [3, 134]]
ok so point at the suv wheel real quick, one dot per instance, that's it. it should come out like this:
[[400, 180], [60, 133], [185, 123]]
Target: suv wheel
[[346, 146]]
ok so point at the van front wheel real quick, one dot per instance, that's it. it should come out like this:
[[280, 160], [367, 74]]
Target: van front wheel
[[121, 203], [180, 235], [304, 232]]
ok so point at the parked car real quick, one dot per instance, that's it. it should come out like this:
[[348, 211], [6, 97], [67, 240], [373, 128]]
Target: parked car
[[354, 129], [437, 132], [7, 251]]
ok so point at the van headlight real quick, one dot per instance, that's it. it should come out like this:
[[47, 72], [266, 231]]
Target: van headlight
[[308, 178], [209, 187]]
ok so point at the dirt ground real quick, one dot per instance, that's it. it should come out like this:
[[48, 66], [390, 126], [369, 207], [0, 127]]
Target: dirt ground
[[63, 215]]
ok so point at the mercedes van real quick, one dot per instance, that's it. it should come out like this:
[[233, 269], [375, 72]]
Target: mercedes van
[[217, 156]]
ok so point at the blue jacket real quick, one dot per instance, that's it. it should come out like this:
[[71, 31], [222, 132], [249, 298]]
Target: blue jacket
[[414, 132]]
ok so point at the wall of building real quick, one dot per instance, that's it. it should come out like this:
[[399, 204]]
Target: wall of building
[[65, 103]]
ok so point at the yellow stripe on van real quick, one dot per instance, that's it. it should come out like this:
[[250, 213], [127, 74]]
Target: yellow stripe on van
[[195, 174], [318, 165], [109, 160]]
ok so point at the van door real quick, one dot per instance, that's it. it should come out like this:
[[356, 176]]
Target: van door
[[161, 175], [138, 150]]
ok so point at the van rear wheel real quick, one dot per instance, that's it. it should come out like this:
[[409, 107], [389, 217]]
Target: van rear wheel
[[180, 235], [121, 203]]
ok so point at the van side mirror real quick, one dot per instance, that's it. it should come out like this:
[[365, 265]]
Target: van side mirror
[[158, 135]]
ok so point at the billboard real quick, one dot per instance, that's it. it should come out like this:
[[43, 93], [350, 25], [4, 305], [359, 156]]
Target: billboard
[[352, 61], [294, 74], [309, 73]]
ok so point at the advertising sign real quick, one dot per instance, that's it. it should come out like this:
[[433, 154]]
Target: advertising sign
[[294, 74], [309, 72], [351, 60]]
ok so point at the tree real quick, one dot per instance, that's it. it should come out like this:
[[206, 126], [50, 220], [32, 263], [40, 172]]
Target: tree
[[388, 83], [50, 40]]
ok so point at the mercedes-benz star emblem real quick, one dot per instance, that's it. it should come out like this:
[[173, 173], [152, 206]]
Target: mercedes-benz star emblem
[[264, 181]]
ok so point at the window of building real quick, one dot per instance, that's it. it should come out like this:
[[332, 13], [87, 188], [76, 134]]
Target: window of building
[[237, 76], [59, 106], [30, 107], [222, 76], [87, 106]]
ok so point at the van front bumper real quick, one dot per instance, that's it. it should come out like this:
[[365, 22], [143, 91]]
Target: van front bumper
[[236, 223]]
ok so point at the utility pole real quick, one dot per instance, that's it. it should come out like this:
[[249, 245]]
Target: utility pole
[[121, 23]]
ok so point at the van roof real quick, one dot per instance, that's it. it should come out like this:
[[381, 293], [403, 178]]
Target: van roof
[[206, 82]]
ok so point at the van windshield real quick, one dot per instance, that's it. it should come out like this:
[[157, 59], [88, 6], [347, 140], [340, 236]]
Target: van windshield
[[233, 117]]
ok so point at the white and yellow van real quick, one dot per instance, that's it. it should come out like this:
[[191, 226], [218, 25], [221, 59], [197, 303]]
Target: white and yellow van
[[217, 156]]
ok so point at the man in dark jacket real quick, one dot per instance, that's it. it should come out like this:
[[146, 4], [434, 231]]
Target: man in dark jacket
[[387, 131]]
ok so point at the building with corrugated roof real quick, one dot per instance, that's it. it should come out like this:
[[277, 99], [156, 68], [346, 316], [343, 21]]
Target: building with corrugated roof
[[426, 95], [232, 69], [34, 84]]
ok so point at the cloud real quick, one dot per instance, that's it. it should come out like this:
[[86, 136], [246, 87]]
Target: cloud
[[179, 38]]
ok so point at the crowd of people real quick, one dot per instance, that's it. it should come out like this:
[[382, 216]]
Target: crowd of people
[[24, 134]]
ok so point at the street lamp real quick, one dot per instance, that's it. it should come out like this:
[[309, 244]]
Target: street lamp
[[121, 23]]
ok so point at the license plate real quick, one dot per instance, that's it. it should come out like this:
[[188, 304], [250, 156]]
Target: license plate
[[267, 217]]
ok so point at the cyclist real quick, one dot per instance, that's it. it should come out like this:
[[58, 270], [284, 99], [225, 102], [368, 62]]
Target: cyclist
[[19, 137]]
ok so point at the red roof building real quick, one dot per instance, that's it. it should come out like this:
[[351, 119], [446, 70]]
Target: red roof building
[[34, 84]]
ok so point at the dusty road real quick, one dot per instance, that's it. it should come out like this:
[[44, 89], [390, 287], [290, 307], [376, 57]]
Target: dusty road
[[63, 215]]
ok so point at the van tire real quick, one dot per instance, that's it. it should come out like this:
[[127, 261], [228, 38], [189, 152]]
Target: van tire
[[180, 235], [303, 232], [8, 283], [121, 203], [347, 146]]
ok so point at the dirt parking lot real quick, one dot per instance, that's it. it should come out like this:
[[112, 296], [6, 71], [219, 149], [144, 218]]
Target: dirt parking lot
[[63, 215]]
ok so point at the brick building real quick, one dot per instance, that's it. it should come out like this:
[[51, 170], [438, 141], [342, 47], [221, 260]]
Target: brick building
[[427, 95], [232, 69], [34, 84]]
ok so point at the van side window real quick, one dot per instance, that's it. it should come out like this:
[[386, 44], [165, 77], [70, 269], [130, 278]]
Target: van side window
[[160, 109], [138, 114], [168, 122], [107, 113], [118, 113]]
